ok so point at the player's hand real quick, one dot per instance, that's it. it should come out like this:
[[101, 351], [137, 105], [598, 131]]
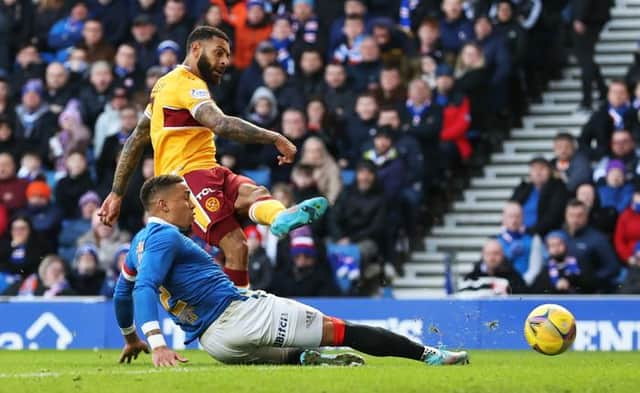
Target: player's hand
[[164, 357], [579, 27], [110, 209], [132, 350], [287, 149]]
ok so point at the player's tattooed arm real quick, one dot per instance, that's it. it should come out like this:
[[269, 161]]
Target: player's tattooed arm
[[231, 127], [131, 155]]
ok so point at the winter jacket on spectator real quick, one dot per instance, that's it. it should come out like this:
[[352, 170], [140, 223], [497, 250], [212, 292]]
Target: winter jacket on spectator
[[14, 146], [36, 128], [456, 119], [575, 172], [93, 103], [20, 260], [65, 33], [475, 85], [600, 127], [358, 215], [309, 85], [251, 35], [225, 92], [597, 259], [426, 128], [18, 15], [627, 234], [267, 121], [12, 193], [364, 74], [4, 219], [106, 247], [631, 167], [68, 192], [114, 15], [517, 248], [616, 197], [45, 222], [358, 133], [250, 80], [153, 9], [591, 12], [44, 19], [102, 51], [453, 34], [341, 100], [505, 270], [497, 58], [177, 32], [515, 38], [391, 171], [551, 203], [288, 97], [70, 231], [146, 53]]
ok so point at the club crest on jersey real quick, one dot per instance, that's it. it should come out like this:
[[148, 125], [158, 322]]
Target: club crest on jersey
[[212, 204], [199, 93]]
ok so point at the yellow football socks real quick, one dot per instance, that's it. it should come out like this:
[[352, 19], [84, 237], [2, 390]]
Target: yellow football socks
[[265, 211]]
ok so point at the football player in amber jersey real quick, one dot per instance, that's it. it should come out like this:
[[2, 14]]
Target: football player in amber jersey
[[180, 122]]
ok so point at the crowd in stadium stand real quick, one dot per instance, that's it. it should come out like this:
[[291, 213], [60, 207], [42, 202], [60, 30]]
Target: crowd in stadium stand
[[386, 100]]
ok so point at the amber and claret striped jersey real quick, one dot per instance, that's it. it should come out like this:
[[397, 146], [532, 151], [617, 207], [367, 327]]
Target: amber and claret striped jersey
[[180, 143]]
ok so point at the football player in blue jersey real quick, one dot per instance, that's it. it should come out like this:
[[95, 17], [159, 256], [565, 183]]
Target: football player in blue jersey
[[234, 326]]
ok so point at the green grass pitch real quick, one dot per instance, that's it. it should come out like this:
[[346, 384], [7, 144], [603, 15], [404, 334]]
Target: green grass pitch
[[490, 371]]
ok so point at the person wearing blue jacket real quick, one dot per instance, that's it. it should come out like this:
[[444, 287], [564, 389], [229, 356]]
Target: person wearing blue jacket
[[455, 28], [68, 31]]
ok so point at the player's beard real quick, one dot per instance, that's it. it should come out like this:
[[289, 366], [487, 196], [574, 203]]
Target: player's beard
[[205, 68]]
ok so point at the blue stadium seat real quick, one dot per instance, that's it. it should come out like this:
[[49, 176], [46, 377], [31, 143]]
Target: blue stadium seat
[[260, 176], [348, 176]]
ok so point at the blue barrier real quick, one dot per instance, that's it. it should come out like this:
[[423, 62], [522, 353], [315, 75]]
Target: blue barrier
[[604, 323]]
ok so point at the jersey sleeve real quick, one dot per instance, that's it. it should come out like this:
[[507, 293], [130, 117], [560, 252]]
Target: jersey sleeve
[[122, 298], [156, 258], [193, 94]]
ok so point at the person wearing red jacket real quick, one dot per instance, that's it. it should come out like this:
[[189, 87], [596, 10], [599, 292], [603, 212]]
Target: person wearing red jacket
[[456, 117], [627, 232]]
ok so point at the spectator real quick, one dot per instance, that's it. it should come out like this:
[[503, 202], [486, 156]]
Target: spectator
[[168, 55], [8, 141], [106, 164], [326, 172], [4, 220], [596, 257], [58, 89], [70, 188], [365, 73], [497, 59], [293, 127], [114, 15], [360, 128], [303, 184], [601, 218], [631, 283], [542, 197], [423, 120], [77, 65], [28, 65], [456, 119], [125, 70], [44, 215], [455, 29], [263, 108], [141, 97], [275, 79], [307, 274], [615, 192], [562, 273], [254, 28], [338, 95], [354, 8], [145, 41], [260, 266], [153, 10], [113, 273], [428, 42], [392, 90], [627, 233], [347, 50], [7, 107], [31, 167], [309, 76], [515, 241], [623, 148], [213, 17], [251, 77], [572, 167], [390, 169], [176, 26], [392, 42], [47, 14], [428, 66], [492, 275], [50, 281], [472, 80], [93, 40], [589, 17], [87, 278], [106, 239], [282, 38], [632, 76], [72, 229], [615, 114], [68, 31], [12, 189], [35, 123], [20, 253], [358, 218], [73, 135], [322, 123], [94, 95], [109, 121]]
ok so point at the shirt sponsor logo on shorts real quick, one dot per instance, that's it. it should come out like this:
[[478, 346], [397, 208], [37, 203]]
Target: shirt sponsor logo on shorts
[[283, 327], [199, 93], [212, 204], [203, 193]]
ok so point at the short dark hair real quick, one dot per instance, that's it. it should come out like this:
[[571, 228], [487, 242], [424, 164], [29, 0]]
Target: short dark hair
[[576, 203], [539, 160], [564, 136], [154, 185], [202, 33]]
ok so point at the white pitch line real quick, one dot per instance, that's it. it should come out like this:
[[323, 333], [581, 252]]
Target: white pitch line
[[111, 372]]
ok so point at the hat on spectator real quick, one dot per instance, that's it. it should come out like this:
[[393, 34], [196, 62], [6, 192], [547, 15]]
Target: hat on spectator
[[88, 248], [302, 242], [310, 3], [383, 131], [142, 19], [38, 188], [615, 164], [444, 70], [266, 46], [119, 92], [562, 235], [168, 45], [251, 232], [155, 71], [366, 165], [89, 197], [259, 3], [33, 86]]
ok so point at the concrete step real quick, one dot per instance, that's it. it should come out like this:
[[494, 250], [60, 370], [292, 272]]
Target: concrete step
[[483, 182], [608, 70], [514, 158], [453, 244], [528, 145], [419, 282], [418, 293], [478, 195], [505, 170], [608, 36], [552, 109], [493, 207], [437, 258], [463, 219], [565, 84], [542, 133], [435, 269], [453, 232], [615, 46], [573, 120], [623, 24]]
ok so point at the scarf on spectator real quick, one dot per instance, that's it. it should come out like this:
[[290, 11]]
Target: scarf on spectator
[[617, 115], [29, 120], [559, 269], [416, 111], [284, 56]]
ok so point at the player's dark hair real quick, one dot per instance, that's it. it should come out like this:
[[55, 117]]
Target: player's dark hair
[[564, 136], [202, 33], [154, 185]]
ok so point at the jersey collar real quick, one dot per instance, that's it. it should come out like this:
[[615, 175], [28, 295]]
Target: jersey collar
[[160, 221]]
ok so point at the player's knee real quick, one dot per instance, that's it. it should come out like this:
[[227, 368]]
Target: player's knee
[[260, 192]]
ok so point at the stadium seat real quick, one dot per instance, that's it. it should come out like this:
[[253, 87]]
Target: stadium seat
[[260, 176]]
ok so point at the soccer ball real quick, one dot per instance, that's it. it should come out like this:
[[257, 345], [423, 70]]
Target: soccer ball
[[550, 329]]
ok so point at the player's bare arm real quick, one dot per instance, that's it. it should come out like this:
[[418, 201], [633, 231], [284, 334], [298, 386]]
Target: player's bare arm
[[161, 355], [242, 131], [132, 348], [129, 159]]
